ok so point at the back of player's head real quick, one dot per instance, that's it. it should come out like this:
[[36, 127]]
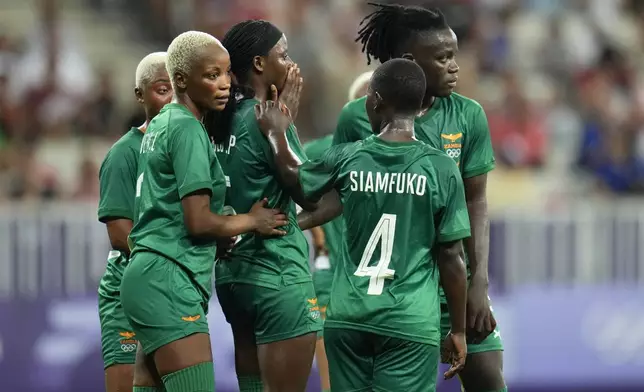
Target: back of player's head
[[148, 67], [386, 30], [185, 51], [359, 85], [246, 40], [401, 84]]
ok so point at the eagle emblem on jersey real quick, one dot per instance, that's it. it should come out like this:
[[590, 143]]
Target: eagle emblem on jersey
[[452, 144]]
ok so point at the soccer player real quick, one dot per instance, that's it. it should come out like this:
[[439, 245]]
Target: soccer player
[[179, 193], [458, 126], [117, 179], [327, 238], [265, 289], [405, 216]]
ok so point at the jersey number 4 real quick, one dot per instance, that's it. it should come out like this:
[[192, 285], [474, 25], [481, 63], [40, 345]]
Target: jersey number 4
[[384, 234]]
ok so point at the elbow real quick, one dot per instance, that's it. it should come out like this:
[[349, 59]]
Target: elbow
[[289, 177], [450, 257]]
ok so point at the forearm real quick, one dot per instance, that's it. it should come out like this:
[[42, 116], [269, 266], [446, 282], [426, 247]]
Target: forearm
[[328, 208], [477, 246], [286, 161], [118, 230], [287, 164], [215, 226], [121, 245], [453, 279]]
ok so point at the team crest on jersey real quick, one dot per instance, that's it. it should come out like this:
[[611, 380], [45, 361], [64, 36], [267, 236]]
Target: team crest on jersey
[[314, 308], [452, 144]]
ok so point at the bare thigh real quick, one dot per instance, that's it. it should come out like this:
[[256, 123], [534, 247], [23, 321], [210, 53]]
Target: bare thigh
[[323, 365], [183, 353], [285, 365], [118, 378], [145, 371], [483, 372]]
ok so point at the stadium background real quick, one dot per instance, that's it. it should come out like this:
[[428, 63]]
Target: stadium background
[[562, 84]]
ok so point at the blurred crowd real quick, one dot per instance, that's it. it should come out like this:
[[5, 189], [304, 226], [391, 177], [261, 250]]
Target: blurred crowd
[[561, 82]]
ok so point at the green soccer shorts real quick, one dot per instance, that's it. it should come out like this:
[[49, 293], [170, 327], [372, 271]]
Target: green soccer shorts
[[161, 302], [274, 314], [364, 361], [492, 343], [322, 281], [118, 340]]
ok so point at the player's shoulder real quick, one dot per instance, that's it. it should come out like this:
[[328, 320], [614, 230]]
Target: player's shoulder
[[461, 103], [353, 112], [244, 119], [353, 122], [174, 118], [127, 145], [245, 112], [316, 147], [355, 108]]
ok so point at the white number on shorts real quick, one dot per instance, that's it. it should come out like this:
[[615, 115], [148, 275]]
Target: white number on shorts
[[383, 234], [139, 181]]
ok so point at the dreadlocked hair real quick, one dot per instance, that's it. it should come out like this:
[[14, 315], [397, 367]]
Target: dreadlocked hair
[[244, 41], [390, 26]]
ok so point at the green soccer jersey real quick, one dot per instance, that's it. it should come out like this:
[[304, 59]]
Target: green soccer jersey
[[176, 159], [117, 180], [400, 200], [456, 125], [249, 166], [314, 150]]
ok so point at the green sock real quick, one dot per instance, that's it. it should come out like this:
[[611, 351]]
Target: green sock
[[250, 384], [326, 390], [197, 378], [147, 389]]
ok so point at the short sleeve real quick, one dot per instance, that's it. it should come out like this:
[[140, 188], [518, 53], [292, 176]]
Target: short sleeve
[[117, 183], [454, 221], [319, 176], [190, 150], [478, 155]]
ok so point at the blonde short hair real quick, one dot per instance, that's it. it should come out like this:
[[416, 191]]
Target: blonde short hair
[[184, 49], [359, 84], [147, 67]]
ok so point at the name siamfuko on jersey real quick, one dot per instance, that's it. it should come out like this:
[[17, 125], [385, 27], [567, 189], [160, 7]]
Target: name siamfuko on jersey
[[400, 183]]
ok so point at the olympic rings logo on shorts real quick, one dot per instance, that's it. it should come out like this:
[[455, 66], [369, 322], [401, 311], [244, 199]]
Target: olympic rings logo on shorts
[[128, 348], [453, 152]]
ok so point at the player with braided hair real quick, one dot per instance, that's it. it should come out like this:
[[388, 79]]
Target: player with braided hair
[[458, 126], [265, 287], [382, 329], [179, 195]]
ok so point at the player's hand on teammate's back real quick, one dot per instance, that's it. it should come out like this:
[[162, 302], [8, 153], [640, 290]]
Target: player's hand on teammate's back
[[454, 352], [480, 320], [290, 96], [271, 117], [267, 219]]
